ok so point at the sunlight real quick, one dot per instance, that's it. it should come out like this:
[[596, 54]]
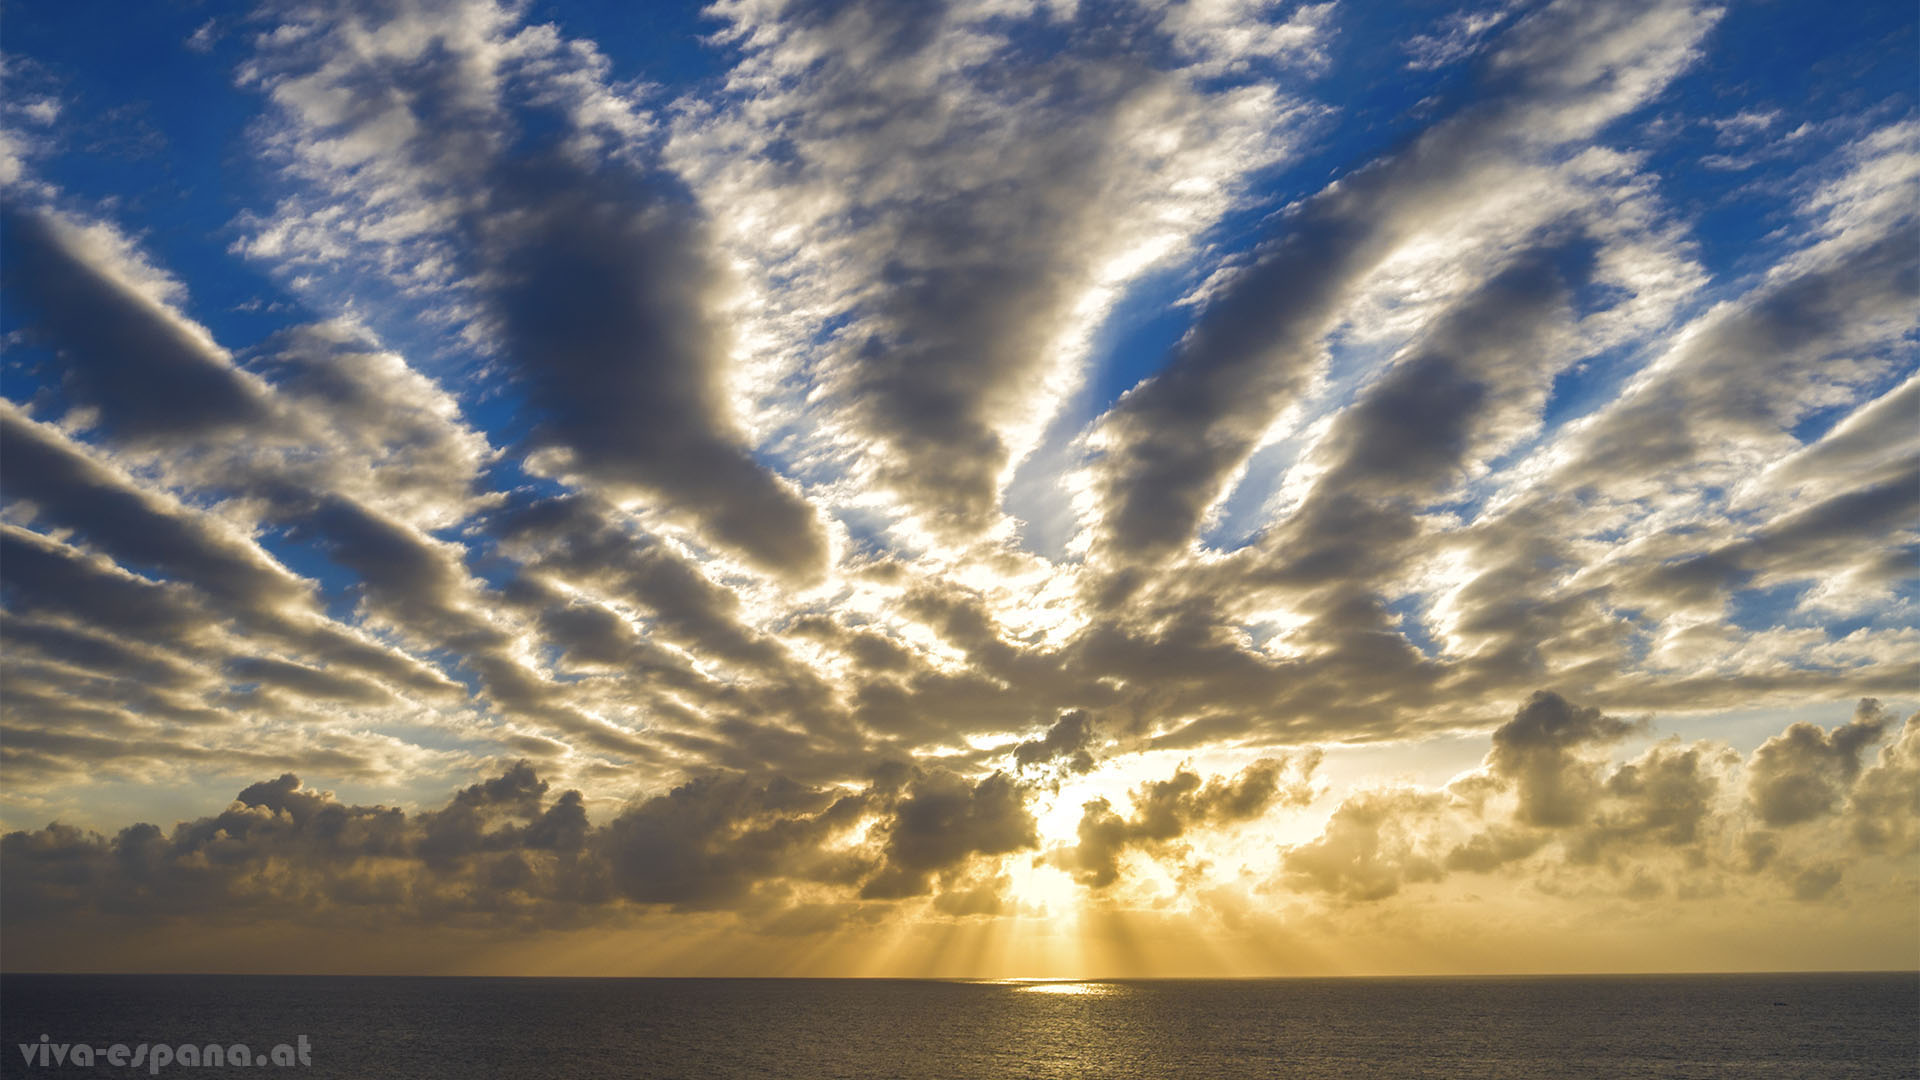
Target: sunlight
[[1060, 986], [1043, 890], [1057, 820]]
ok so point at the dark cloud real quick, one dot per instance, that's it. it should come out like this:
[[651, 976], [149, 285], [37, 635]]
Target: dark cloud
[[202, 561], [1664, 797], [1175, 439], [788, 855], [1804, 772], [405, 578], [1342, 553], [1884, 810], [1741, 371], [419, 586], [608, 303], [710, 842], [1069, 741], [391, 435], [1874, 438], [581, 541], [1538, 751], [1655, 824], [212, 864], [502, 849], [306, 682], [1843, 532], [1493, 848], [97, 652], [942, 820], [43, 576], [1388, 426], [872, 651], [592, 276], [66, 489], [151, 374], [498, 849]]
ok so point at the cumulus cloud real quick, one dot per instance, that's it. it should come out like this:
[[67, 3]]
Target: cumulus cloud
[[1883, 806], [1667, 820], [1803, 772], [787, 857], [503, 849], [1165, 810], [1537, 751], [940, 821], [1369, 848]]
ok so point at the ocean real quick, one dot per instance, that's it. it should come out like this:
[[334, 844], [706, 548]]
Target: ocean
[[1844, 1025]]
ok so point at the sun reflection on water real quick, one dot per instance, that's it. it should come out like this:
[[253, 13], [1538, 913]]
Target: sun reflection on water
[[1060, 986]]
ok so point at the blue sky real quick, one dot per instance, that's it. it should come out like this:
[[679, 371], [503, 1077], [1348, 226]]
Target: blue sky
[[994, 406]]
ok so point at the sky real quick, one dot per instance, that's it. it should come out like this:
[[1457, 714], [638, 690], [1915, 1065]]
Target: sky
[[974, 488]]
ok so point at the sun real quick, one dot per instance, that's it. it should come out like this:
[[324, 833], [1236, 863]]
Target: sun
[[1040, 887], [1042, 890]]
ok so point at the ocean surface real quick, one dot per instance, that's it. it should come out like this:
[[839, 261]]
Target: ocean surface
[[529, 1029]]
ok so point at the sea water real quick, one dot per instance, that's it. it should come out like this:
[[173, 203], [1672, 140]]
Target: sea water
[[1854, 1025]]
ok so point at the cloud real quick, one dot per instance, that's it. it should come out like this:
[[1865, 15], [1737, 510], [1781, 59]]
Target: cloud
[[501, 849], [1455, 38], [792, 858], [1667, 820], [1886, 800], [607, 303], [1165, 810], [1069, 742], [1167, 449], [45, 576], [941, 821], [1537, 751], [581, 609], [149, 371], [44, 468], [711, 841], [965, 209], [853, 480], [1666, 799], [1367, 851], [1742, 375], [1866, 444], [592, 279], [1804, 772]]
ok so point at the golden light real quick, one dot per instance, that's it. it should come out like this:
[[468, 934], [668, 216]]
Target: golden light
[[1042, 890], [1061, 986]]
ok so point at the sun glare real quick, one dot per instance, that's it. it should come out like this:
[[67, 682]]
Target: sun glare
[[1043, 890], [1060, 986]]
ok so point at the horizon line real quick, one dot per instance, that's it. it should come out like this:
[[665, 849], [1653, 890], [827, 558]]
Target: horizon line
[[988, 980]]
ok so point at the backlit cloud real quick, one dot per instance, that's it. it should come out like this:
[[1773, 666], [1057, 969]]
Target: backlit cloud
[[929, 488]]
